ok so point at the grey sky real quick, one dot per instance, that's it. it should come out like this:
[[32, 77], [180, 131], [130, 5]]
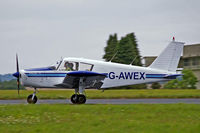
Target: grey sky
[[43, 31]]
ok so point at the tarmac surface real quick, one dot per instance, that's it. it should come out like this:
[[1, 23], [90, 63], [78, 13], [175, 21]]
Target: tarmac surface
[[109, 101]]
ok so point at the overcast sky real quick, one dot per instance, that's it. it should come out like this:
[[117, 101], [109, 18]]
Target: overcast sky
[[43, 31]]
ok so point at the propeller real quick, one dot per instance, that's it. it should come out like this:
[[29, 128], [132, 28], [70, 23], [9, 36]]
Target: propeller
[[17, 74]]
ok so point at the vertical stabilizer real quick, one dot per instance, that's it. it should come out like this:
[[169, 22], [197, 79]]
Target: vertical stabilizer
[[168, 60]]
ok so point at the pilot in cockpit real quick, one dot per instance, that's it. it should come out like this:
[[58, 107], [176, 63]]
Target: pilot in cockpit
[[69, 66]]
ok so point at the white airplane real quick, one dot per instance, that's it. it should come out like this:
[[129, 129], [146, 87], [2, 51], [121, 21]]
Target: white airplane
[[81, 74]]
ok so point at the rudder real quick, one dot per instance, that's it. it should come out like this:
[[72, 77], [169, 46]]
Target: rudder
[[169, 58]]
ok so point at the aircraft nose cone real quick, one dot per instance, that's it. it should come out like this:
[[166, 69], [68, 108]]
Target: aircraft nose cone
[[16, 74]]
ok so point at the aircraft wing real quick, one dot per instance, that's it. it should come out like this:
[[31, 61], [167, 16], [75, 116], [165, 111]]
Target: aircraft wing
[[90, 79]]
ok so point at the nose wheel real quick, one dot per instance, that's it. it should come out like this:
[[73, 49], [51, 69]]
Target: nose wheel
[[78, 99], [32, 99]]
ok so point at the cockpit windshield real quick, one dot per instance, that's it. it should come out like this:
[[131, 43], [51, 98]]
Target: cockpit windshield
[[56, 65]]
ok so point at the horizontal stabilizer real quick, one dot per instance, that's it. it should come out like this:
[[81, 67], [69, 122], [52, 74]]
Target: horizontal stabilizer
[[173, 76]]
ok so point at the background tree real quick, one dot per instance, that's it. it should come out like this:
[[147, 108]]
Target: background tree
[[111, 47], [126, 48], [188, 81]]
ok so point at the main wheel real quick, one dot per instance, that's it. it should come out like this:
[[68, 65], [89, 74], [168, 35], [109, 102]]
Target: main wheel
[[78, 99], [31, 99], [74, 99], [81, 99]]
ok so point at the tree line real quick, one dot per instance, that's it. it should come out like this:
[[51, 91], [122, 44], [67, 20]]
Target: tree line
[[9, 85]]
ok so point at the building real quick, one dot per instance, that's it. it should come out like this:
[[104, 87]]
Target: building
[[189, 60]]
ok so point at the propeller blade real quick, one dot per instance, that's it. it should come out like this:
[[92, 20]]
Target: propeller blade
[[17, 63], [18, 82]]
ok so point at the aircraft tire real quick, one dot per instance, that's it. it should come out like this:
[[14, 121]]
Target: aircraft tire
[[78, 99], [74, 99], [30, 100], [81, 99]]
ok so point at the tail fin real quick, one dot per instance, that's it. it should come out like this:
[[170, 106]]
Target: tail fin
[[169, 58]]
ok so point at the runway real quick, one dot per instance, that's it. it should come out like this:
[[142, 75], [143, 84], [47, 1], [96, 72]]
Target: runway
[[109, 101]]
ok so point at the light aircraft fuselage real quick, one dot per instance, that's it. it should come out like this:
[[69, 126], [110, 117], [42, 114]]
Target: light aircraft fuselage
[[116, 74]]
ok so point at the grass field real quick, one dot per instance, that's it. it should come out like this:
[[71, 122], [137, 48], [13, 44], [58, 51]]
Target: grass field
[[60, 118], [108, 94]]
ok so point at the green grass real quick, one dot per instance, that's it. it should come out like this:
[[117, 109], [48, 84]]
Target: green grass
[[60, 118], [108, 94]]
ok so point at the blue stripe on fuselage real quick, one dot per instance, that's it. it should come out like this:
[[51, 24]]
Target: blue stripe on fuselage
[[155, 75], [40, 69], [46, 74]]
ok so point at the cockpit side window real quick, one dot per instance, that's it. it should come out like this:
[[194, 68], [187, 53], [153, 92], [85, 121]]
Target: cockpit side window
[[75, 66], [85, 66], [69, 66]]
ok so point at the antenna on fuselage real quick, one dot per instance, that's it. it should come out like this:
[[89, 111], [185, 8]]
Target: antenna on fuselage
[[133, 60], [136, 58], [113, 56]]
